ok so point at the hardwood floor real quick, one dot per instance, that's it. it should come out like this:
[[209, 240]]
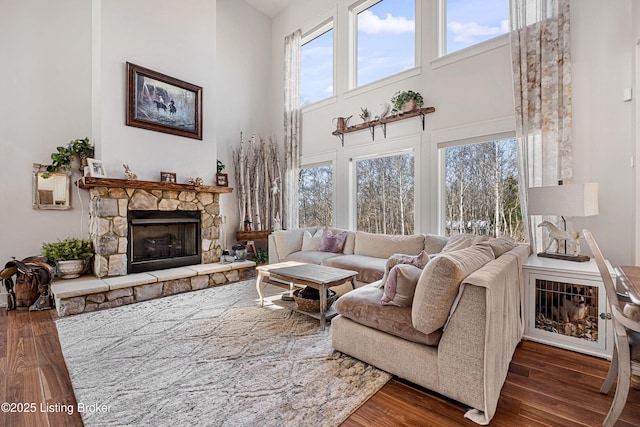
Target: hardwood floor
[[546, 386]]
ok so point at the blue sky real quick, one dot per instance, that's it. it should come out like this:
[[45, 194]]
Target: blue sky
[[386, 35]]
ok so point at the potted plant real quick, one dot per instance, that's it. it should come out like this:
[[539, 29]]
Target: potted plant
[[63, 156], [71, 255], [406, 101], [365, 115]]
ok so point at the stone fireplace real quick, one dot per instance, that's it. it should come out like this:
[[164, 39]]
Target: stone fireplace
[[112, 201]]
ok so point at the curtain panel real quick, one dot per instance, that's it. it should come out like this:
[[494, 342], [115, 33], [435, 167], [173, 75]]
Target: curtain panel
[[292, 119], [541, 57]]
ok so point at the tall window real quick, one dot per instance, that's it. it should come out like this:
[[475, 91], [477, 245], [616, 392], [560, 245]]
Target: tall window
[[481, 190], [385, 194], [315, 196], [316, 65], [472, 21], [385, 39]]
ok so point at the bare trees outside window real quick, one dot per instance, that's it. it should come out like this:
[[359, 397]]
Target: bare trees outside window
[[385, 194], [315, 196], [481, 190]]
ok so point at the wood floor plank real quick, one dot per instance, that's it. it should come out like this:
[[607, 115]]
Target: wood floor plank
[[545, 386]]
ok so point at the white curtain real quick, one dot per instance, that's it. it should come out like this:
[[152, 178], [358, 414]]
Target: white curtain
[[541, 56], [292, 118]]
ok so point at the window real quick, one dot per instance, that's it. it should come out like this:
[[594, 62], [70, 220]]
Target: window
[[316, 65], [385, 194], [469, 22], [481, 190], [315, 196], [385, 39]]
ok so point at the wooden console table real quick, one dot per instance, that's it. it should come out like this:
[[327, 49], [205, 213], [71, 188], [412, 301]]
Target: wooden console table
[[251, 236]]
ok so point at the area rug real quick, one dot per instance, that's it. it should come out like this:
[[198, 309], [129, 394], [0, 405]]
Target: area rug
[[211, 358]]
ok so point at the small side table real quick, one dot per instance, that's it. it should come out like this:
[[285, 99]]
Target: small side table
[[250, 237]]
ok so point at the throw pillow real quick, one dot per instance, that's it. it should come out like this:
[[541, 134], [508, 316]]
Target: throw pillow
[[461, 241], [439, 284], [330, 242], [287, 242], [401, 285], [309, 242], [501, 245], [419, 261]]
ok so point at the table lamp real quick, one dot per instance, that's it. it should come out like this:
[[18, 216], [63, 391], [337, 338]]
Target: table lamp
[[573, 200]]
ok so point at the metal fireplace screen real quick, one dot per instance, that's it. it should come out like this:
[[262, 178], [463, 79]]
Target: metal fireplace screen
[[159, 240], [567, 309]]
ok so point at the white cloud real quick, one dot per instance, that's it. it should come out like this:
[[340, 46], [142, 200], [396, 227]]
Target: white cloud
[[370, 23], [468, 31], [328, 90]]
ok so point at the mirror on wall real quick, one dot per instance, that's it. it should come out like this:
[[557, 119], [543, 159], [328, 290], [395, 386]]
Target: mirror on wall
[[53, 192]]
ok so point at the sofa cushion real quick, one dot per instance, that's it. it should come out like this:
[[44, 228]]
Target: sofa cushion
[[310, 241], [288, 241], [369, 269], [461, 241], [401, 285], [332, 242], [363, 306], [501, 245], [439, 283], [310, 257], [433, 243], [385, 245], [419, 261]]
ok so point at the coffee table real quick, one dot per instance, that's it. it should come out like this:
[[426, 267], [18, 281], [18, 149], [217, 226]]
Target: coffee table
[[319, 277]]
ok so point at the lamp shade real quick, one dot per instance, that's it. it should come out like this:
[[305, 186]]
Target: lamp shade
[[564, 200]]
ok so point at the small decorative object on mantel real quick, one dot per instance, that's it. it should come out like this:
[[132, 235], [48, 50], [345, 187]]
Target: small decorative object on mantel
[[406, 101], [196, 182], [222, 180], [128, 174], [365, 115], [247, 225], [96, 168], [167, 177]]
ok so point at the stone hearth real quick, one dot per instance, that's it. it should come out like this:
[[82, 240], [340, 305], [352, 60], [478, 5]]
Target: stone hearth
[[111, 199]]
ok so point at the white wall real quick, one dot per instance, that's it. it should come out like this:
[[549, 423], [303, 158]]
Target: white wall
[[64, 77], [243, 89], [46, 92], [176, 41], [477, 92]]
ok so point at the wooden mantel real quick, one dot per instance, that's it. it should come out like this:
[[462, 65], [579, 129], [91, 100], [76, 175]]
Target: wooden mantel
[[92, 182]]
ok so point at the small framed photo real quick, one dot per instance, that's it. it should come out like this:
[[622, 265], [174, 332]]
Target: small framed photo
[[167, 177], [96, 168], [222, 180]]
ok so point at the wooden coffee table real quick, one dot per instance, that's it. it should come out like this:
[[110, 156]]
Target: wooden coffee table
[[319, 277]]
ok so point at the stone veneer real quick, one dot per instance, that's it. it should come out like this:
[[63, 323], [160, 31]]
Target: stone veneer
[[87, 293], [108, 221]]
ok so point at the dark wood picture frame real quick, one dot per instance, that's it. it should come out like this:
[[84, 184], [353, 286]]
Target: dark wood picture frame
[[168, 177], [222, 180], [162, 103]]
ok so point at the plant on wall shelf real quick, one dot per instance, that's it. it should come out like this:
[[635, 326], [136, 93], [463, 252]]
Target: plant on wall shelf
[[407, 100], [63, 156], [220, 166], [365, 115]]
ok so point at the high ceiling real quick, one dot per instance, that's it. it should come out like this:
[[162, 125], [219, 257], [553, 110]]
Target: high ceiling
[[269, 7]]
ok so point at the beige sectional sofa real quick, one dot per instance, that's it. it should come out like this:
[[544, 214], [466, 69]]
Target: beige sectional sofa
[[463, 324], [366, 253]]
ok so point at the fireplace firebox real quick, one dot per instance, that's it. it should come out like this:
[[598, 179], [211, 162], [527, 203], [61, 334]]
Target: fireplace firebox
[[162, 239]]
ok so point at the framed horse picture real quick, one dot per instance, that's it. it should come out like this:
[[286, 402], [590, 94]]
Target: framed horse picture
[[162, 103]]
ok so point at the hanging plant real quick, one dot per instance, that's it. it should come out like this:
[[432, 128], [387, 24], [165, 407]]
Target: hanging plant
[[63, 156]]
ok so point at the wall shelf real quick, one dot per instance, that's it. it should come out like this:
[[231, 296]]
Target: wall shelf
[[371, 125]]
